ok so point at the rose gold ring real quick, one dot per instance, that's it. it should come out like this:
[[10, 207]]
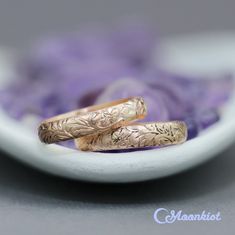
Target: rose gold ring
[[91, 120], [137, 135]]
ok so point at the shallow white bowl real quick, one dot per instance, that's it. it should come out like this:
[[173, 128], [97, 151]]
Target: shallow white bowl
[[200, 54]]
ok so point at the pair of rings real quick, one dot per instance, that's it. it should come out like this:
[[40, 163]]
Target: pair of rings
[[111, 126]]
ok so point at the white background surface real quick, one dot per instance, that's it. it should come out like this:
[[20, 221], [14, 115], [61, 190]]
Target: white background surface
[[183, 54]]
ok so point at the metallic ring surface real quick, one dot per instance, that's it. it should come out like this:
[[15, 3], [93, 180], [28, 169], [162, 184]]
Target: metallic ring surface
[[137, 135], [91, 120]]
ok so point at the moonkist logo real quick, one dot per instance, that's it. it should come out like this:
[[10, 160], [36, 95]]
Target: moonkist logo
[[164, 216]]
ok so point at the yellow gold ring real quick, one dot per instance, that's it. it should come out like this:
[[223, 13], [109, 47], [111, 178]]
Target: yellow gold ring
[[91, 120], [137, 135]]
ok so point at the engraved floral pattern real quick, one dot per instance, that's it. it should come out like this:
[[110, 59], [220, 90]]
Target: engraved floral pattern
[[136, 136], [92, 122]]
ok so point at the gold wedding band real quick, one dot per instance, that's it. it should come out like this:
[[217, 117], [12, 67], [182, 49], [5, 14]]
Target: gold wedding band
[[137, 135], [91, 120]]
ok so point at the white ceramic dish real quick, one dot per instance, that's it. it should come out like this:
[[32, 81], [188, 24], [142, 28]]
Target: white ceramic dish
[[195, 54]]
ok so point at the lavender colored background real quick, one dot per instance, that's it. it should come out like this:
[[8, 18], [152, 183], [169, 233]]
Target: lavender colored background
[[31, 202]]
